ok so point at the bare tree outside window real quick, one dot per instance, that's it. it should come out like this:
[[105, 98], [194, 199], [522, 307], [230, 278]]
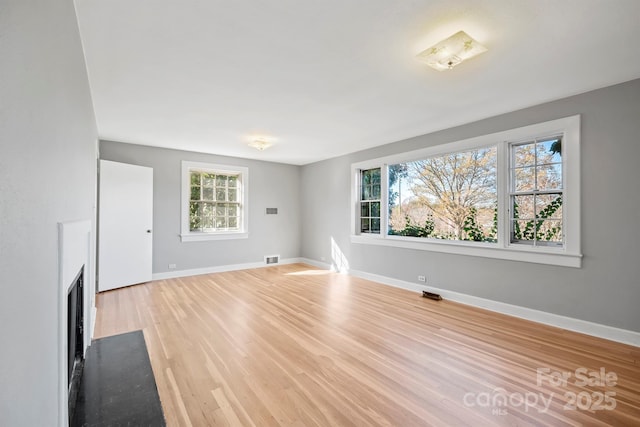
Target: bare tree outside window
[[452, 196]]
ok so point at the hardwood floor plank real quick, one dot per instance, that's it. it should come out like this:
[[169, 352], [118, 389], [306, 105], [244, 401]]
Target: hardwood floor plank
[[293, 345]]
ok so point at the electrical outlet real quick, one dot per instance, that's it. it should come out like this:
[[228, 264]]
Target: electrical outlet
[[172, 266], [422, 279]]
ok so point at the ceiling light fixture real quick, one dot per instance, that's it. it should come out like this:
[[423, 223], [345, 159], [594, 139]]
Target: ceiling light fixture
[[260, 144], [451, 51]]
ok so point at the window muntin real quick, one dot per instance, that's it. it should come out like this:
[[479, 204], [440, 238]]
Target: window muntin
[[370, 200], [451, 196], [536, 192], [214, 204]]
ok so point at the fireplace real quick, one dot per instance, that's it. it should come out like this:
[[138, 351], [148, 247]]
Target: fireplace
[[76, 309], [75, 338]]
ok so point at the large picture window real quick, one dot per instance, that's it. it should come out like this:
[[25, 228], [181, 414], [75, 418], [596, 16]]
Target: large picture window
[[451, 196], [214, 201], [511, 195]]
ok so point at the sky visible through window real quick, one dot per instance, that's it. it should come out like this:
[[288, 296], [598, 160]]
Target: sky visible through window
[[453, 196]]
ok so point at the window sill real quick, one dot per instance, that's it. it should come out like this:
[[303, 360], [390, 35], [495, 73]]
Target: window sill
[[199, 237], [549, 256]]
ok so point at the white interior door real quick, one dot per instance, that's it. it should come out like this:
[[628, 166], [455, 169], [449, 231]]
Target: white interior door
[[125, 225]]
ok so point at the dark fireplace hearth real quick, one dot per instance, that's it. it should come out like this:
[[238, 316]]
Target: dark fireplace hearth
[[75, 338]]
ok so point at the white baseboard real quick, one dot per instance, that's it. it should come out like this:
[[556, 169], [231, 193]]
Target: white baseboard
[[318, 264], [220, 269], [594, 329]]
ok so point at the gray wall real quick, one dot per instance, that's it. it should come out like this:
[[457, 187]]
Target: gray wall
[[48, 150], [605, 290], [270, 185]]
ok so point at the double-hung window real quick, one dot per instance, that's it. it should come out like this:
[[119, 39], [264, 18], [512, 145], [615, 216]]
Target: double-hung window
[[370, 185], [510, 195], [536, 192], [214, 201]]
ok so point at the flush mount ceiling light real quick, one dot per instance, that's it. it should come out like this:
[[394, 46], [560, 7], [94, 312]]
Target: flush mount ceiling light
[[451, 51], [260, 144]]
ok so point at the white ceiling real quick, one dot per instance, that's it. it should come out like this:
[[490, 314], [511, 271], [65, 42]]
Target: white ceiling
[[330, 77]]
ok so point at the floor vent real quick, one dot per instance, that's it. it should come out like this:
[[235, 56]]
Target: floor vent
[[431, 295], [272, 259]]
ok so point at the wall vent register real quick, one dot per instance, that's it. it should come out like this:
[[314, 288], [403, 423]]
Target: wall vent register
[[272, 259]]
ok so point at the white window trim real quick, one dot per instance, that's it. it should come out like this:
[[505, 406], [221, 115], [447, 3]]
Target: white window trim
[[567, 256], [191, 236]]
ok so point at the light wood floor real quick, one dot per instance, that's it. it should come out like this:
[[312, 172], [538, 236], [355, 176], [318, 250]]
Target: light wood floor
[[293, 345]]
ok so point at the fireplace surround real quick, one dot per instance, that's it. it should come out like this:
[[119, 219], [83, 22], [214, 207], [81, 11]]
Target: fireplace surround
[[76, 307], [75, 338]]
